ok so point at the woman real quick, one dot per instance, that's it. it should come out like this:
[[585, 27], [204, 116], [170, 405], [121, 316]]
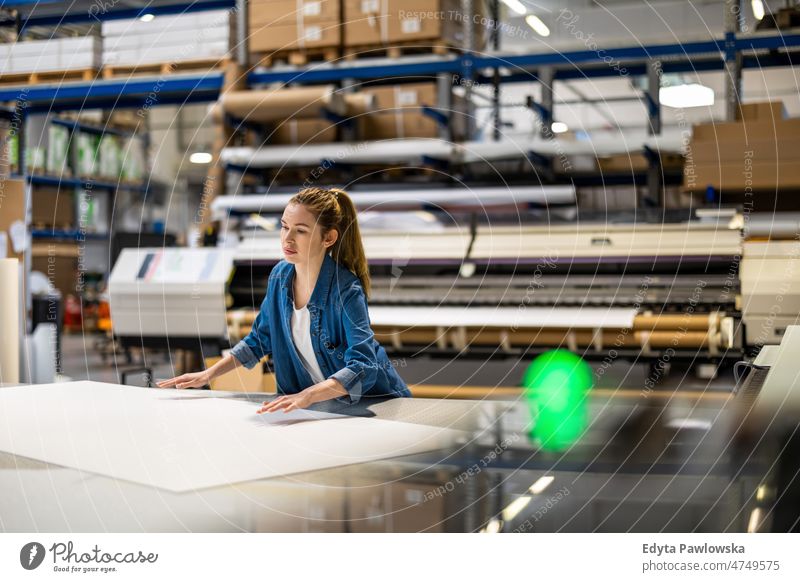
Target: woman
[[314, 320]]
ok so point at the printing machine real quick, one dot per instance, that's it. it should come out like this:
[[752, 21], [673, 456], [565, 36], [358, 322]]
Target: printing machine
[[524, 274], [480, 288], [170, 298]]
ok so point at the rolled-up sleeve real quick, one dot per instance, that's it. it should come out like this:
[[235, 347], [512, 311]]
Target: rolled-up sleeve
[[361, 369], [258, 343]]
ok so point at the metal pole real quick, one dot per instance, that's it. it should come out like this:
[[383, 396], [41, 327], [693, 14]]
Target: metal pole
[[467, 10], [495, 41], [241, 33], [546, 78], [654, 178], [733, 61]]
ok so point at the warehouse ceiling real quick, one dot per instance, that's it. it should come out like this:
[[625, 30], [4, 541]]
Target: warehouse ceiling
[[592, 104]]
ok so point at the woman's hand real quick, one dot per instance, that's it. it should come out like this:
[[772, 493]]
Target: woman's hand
[[288, 402], [191, 380]]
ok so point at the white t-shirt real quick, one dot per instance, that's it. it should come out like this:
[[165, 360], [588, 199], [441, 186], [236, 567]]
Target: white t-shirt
[[301, 334]]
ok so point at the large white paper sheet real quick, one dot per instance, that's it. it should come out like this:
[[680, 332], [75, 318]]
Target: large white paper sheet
[[182, 440]]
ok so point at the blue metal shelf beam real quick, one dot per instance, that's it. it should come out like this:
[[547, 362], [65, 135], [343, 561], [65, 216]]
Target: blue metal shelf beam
[[39, 13], [689, 58], [92, 129], [68, 235], [58, 181], [130, 92]]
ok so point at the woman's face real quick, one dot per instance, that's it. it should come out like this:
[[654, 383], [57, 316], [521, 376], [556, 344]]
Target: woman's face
[[302, 238]]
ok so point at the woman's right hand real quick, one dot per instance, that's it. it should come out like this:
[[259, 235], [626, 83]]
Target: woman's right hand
[[190, 380]]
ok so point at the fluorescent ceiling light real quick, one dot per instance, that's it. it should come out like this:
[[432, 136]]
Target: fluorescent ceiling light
[[146, 17], [541, 484], [516, 6], [559, 127], [200, 158], [758, 9], [537, 25], [680, 96]]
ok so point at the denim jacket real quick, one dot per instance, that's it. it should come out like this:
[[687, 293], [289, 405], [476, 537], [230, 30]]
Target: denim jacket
[[343, 340]]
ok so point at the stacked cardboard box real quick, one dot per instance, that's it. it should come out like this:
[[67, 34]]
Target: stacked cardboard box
[[303, 131], [392, 22], [53, 208], [764, 111], [242, 379], [637, 163], [761, 152], [398, 112], [59, 263], [281, 25], [167, 39]]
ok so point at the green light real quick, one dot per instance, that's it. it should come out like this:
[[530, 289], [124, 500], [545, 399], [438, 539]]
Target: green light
[[556, 385]]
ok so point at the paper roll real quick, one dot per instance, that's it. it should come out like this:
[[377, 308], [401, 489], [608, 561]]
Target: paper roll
[[281, 104], [9, 321]]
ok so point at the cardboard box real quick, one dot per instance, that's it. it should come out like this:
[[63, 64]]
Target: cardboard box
[[292, 12], [397, 125], [637, 163], [745, 131], [243, 380], [766, 111], [412, 95], [376, 22], [12, 212], [59, 263], [740, 176], [278, 25], [733, 151], [302, 131], [51, 207], [283, 38]]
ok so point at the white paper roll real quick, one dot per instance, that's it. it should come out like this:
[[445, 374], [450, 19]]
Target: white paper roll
[[9, 321]]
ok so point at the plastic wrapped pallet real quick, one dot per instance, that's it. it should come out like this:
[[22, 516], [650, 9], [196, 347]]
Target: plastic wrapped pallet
[[133, 160], [109, 157], [58, 150], [87, 162], [168, 39], [58, 54]]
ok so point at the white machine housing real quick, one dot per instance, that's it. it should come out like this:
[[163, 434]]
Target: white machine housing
[[170, 292]]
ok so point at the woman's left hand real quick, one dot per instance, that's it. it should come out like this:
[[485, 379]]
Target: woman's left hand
[[288, 402]]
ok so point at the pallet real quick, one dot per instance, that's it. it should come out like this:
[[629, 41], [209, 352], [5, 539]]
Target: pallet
[[296, 57], [165, 68], [396, 51], [42, 77]]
